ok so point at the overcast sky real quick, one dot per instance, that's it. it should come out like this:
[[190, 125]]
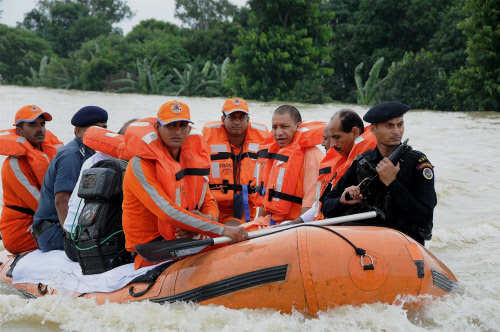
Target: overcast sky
[[14, 10]]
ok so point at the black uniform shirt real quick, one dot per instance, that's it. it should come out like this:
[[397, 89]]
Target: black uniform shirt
[[408, 201]]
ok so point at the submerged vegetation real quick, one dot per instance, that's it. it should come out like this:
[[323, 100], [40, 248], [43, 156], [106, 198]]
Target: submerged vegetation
[[437, 54]]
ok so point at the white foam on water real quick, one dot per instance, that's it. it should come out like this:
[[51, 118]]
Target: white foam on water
[[83, 315], [464, 150]]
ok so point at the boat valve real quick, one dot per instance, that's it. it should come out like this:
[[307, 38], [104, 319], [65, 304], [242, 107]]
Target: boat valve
[[368, 266]]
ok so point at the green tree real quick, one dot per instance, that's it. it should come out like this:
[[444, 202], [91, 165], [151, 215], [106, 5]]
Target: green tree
[[151, 29], [286, 43], [204, 14], [448, 44], [99, 61], [242, 16], [365, 30], [154, 39], [20, 50], [69, 23], [417, 80], [477, 84], [112, 11], [215, 44], [167, 49]]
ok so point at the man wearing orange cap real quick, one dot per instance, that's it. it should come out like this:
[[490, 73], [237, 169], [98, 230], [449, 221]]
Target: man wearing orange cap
[[234, 143], [29, 148], [165, 189]]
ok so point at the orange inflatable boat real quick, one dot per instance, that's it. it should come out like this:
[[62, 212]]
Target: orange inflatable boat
[[308, 269]]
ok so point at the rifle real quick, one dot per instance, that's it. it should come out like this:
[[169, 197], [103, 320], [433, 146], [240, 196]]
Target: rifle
[[365, 184]]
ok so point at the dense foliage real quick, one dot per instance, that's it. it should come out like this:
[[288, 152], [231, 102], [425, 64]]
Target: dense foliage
[[477, 84], [69, 23], [19, 51], [204, 14], [433, 54], [417, 80], [287, 41]]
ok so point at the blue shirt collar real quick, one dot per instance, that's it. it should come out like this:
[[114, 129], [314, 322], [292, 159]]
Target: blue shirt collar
[[85, 151]]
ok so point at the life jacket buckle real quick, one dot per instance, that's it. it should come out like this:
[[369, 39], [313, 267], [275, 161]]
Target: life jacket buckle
[[225, 186], [251, 189], [270, 195]]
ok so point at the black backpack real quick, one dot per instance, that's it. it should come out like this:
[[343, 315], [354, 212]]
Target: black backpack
[[99, 237]]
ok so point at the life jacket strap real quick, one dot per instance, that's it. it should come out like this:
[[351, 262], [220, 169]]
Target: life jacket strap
[[271, 155], [21, 209], [273, 193], [325, 170], [192, 171], [232, 156], [225, 186]]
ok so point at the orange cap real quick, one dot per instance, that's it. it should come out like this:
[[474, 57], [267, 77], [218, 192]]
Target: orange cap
[[30, 113], [173, 111], [235, 105]]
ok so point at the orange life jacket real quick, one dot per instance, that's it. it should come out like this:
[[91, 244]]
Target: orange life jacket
[[13, 145], [22, 177], [334, 165], [106, 141], [184, 182], [225, 180], [190, 174], [283, 172]]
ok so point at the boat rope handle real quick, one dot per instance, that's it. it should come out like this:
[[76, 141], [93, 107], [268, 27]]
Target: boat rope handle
[[359, 251], [41, 290], [141, 293]]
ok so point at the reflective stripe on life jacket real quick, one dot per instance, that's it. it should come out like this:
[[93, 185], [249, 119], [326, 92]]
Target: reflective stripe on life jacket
[[334, 165], [22, 176], [283, 172], [22, 179], [17, 146], [230, 171], [223, 159], [184, 181]]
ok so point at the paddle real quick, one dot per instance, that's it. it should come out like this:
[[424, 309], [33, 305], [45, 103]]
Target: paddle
[[163, 250]]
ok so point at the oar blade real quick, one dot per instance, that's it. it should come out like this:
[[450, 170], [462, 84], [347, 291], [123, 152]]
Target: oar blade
[[163, 250]]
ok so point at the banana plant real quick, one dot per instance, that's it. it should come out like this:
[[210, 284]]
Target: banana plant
[[149, 79], [39, 77], [191, 81], [367, 92]]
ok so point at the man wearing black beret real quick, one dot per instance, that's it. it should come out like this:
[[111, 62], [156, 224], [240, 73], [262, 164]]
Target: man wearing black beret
[[60, 179], [403, 191]]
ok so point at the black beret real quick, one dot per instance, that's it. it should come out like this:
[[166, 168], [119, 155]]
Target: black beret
[[385, 111], [89, 115]]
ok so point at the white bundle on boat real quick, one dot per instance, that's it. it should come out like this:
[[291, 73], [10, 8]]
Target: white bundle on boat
[[56, 270]]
